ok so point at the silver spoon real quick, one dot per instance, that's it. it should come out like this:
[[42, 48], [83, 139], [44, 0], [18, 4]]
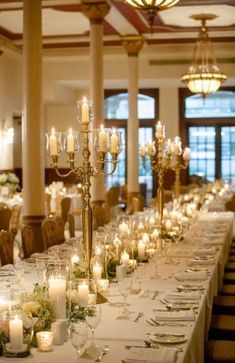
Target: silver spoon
[[104, 350]]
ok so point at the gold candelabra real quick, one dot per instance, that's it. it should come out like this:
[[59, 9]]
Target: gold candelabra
[[107, 143], [167, 156]]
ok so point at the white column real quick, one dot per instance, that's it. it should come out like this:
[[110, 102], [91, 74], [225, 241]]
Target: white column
[[96, 13], [33, 146], [132, 45], [169, 115]]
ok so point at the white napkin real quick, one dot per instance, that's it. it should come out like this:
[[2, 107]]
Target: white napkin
[[208, 262], [183, 315], [204, 251], [191, 276], [191, 295], [7, 267], [150, 355]]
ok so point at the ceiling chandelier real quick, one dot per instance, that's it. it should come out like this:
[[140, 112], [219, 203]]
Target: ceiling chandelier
[[204, 76], [151, 7]]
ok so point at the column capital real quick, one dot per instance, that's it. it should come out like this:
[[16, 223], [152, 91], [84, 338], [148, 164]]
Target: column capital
[[133, 44], [95, 10]]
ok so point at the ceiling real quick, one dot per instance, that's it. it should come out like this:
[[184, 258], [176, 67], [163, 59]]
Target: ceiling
[[64, 26]]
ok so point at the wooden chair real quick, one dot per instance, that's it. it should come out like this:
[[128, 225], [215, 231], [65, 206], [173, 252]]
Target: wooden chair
[[112, 196], [47, 204], [220, 351], [5, 216], [49, 232], [101, 214], [6, 248], [60, 224], [230, 206], [65, 207], [71, 222], [27, 240], [137, 203], [15, 219]]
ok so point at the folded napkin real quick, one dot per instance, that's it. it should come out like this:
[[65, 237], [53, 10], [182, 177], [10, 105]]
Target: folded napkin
[[204, 251], [183, 315], [150, 355], [191, 295], [208, 262], [191, 276], [7, 267]]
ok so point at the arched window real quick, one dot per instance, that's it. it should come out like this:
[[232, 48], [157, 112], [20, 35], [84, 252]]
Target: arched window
[[116, 114], [208, 126]]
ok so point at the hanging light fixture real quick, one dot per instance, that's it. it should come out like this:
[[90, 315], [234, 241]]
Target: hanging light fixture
[[204, 76], [151, 7]]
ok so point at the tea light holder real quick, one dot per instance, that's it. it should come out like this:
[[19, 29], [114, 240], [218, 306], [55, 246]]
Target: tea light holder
[[45, 341], [103, 285]]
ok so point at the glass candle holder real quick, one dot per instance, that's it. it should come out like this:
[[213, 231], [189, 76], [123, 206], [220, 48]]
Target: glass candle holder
[[16, 333], [44, 341], [85, 112], [54, 143], [71, 144]]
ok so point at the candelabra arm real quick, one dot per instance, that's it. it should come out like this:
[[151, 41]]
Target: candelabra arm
[[101, 161], [56, 167]]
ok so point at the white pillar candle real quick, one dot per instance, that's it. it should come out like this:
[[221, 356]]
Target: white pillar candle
[[103, 138], [155, 234], [85, 112], [97, 271], [123, 228], [57, 294], [114, 143], [142, 150], [53, 143], [75, 259], [168, 225], [83, 293], [145, 238], [16, 333], [169, 147], [141, 250], [4, 304], [70, 142], [125, 258], [159, 129]]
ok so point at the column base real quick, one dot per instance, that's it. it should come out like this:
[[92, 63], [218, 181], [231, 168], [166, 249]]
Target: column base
[[35, 222]]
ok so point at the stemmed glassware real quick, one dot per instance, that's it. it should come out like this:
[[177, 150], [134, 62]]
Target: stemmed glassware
[[79, 336], [140, 273], [124, 286], [92, 316], [155, 260]]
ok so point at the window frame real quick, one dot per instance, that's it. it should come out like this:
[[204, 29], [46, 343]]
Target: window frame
[[217, 122]]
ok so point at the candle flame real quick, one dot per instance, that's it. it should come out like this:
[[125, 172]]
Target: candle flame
[[70, 131], [53, 131], [84, 99]]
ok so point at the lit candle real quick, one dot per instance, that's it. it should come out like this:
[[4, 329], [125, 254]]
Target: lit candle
[[177, 145], [97, 271], [155, 234], [169, 147], [83, 293], [123, 228], [57, 294], [159, 129], [145, 238], [142, 150], [141, 250], [16, 333], [168, 225], [70, 142], [85, 112], [98, 250], [53, 143], [75, 259], [103, 139], [114, 142], [44, 340], [140, 227], [186, 154], [125, 258], [4, 304]]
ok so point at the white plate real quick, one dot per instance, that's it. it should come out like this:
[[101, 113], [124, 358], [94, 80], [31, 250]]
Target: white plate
[[190, 287], [167, 338]]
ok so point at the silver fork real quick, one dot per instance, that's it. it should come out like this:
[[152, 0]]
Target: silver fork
[[140, 314], [156, 292]]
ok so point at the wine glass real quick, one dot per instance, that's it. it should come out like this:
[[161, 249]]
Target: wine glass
[[78, 336], [19, 269], [140, 273], [156, 259], [124, 286], [92, 316]]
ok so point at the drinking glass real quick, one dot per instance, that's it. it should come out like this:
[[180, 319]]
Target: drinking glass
[[19, 269], [124, 286], [156, 258], [140, 273], [92, 316], [78, 336]]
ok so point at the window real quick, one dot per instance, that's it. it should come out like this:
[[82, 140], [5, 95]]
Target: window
[[208, 127], [116, 114]]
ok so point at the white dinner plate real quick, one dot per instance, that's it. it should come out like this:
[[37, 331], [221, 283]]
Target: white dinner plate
[[190, 287], [164, 338]]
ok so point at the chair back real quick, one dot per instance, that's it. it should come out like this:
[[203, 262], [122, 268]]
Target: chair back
[[101, 215], [15, 219], [49, 232], [71, 222], [60, 224], [168, 195], [230, 206], [65, 207], [47, 204], [27, 240], [113, 196], [6, 248], [5, 216]]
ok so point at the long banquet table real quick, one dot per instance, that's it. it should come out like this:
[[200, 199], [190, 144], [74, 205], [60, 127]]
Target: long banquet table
[[213, 229]]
